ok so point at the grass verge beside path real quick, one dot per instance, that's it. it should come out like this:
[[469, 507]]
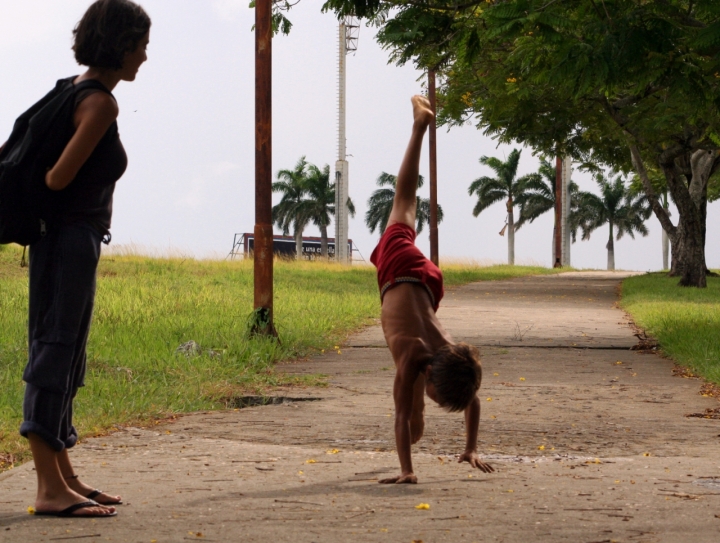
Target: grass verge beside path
[[685, 321], [147, 307]]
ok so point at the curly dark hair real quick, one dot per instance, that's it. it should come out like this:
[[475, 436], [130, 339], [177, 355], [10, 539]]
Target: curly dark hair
[[456, 374], [108, 30]]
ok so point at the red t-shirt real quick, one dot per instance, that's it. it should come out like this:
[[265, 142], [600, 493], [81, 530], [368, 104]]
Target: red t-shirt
[[398, 260]]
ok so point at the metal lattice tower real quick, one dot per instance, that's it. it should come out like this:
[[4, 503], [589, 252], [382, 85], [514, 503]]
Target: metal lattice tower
[[348, 38]]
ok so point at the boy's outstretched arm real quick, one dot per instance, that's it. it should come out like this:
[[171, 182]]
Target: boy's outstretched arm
[[472, 422], [403, 392]]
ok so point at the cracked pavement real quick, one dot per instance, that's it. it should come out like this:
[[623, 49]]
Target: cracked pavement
[[590, 441]]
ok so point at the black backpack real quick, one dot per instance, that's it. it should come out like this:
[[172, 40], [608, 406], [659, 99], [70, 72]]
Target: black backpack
[[27, 206]]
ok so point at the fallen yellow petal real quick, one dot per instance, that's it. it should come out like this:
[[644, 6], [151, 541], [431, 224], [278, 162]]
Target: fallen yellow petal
[[300, 472], [646, 454], [332, 451], [423, 506], [489, 399], [496, 374], [511, 491], [522, 378], [541, 448], [311, 461], [31, 510]]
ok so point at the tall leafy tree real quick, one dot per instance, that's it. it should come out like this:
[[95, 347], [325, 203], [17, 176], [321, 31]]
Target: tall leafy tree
[[631, 84], [504, 187], [623, 210], [292, 211], [539, 197], [320, 202], [381, 201]]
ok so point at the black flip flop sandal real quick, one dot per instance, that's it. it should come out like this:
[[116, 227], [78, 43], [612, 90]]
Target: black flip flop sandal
[[95, 493], [68, 512]]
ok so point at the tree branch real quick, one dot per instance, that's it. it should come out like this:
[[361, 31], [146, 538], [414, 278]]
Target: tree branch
[[660, 212]]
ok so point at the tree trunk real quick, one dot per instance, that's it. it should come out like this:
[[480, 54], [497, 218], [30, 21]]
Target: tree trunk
[[323, 242], [688, 246], [665, 249], [611, 250], [511, 233], [298, 244], [688, 254]]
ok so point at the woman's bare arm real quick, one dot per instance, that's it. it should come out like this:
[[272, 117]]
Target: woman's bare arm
[[93, 117]]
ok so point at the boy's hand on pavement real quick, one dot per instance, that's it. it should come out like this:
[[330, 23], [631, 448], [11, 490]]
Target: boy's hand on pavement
[[407, 479], [472, 458]]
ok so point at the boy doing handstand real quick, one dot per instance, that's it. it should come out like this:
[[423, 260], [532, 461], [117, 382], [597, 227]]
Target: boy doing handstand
[[426, 358]]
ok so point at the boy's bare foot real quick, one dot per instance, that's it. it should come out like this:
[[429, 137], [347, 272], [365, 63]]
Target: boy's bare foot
[[49, 504], [91, 493], [422, 112]]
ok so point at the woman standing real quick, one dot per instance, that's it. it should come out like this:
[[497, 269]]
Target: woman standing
[[111, 39]]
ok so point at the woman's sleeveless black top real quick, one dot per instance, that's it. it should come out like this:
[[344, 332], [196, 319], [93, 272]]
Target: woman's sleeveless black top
[[90, 195]]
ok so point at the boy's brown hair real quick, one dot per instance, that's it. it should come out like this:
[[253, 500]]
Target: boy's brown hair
[[456, 374], [108, 30]]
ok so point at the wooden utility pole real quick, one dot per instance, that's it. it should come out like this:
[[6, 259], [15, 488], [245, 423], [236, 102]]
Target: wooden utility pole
[[263, 250], [558, 212], [434, 257]]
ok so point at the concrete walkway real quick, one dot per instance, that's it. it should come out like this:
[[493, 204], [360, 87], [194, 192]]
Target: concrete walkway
[[590, 441]]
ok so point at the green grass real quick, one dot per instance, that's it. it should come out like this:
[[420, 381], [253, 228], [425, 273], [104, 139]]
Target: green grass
[[147, 307], [685, 321]]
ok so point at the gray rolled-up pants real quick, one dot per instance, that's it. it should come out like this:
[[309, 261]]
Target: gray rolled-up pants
[[63, 265]]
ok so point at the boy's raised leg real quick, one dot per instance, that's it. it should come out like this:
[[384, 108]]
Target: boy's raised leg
[[405, 203]]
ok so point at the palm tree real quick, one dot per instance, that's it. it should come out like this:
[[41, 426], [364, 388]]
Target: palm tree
[[505, 186], [616, 206], [539, 197], [381, 201], [321, 202], [292, 211]]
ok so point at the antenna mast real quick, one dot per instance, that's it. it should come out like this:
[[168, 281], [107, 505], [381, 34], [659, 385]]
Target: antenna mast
[[348, 38]]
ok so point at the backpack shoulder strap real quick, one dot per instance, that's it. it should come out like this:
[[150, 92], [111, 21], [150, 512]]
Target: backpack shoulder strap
[[92, 84]]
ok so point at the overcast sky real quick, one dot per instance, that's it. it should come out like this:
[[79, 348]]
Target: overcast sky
[[187, 125]]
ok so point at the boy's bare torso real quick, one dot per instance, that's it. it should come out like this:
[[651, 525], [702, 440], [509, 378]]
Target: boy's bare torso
[[412, 330]]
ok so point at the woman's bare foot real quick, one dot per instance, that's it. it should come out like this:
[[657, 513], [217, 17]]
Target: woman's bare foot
[[75, 484], [422, 112], [102, 498], [55, 503]]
